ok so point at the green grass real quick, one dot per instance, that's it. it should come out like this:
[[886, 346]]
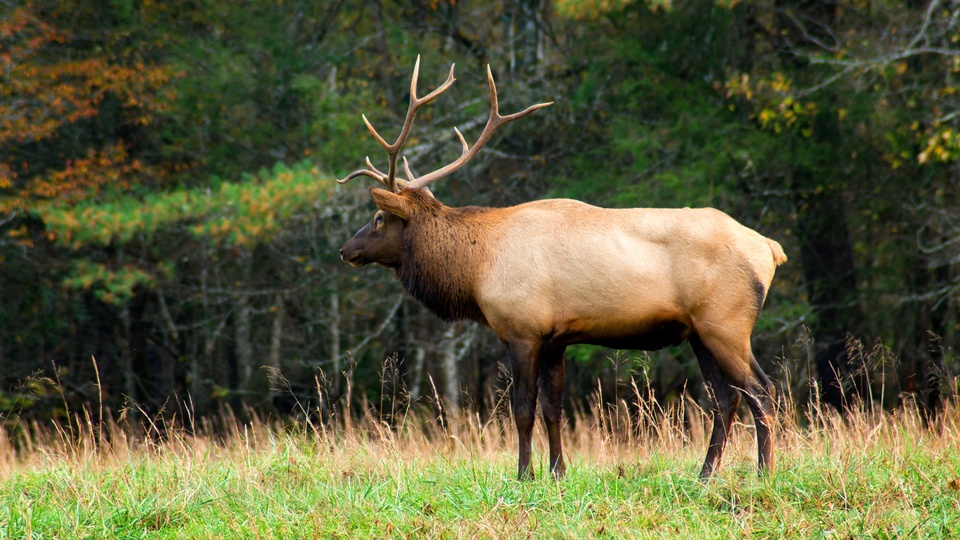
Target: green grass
[[873, 476]]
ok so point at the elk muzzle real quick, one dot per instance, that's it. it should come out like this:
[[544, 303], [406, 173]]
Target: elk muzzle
[[351, 255]]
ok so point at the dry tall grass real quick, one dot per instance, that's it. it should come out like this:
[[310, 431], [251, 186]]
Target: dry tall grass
[[632, 473], [604, 436]]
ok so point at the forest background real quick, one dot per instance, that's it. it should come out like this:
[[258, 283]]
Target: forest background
[[170, 220]]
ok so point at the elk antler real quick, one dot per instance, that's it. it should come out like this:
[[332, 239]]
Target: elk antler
[[467, 153], [389, 180]]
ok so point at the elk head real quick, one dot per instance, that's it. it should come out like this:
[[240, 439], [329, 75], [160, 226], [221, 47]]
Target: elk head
[[399, 200]]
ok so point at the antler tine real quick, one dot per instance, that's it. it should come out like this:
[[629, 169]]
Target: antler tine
[[406, 169], [463, 142], [389, 180], [467, 153], [495, 105], [372, 172], [362, 172], [374, 169]]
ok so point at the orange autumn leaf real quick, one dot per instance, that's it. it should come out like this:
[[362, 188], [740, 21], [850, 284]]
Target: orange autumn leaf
[[45, 92]]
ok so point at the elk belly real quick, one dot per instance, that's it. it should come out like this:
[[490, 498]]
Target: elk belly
[[644, 335]]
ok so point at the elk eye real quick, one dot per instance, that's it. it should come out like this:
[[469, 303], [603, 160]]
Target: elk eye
[[378, 220]]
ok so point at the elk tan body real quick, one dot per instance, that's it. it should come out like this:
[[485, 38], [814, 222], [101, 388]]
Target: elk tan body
[[585, 274], [547, 274]]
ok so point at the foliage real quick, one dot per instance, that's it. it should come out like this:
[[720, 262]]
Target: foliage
[[236, 213], [48, 94], [593, 9], [780, 110], [167, 202], [232, 214], [114, 286]]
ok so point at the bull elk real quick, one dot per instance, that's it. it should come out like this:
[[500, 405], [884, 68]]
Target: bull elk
[[550, 273]]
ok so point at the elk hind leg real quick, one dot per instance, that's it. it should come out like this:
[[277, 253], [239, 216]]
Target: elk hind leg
[[759, 393], [725, 397]]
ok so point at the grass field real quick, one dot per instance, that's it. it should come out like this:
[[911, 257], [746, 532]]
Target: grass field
[[873, 476]]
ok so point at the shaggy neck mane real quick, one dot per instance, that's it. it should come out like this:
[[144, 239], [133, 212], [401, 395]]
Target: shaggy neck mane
[[442, 255]]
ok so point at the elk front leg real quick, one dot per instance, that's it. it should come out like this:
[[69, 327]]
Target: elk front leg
[[525, 364], [551, 405]]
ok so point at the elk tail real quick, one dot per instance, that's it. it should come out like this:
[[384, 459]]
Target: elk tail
[[779, 257]]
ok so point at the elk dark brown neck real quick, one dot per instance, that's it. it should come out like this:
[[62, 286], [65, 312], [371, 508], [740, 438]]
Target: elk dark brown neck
[[443, 252]]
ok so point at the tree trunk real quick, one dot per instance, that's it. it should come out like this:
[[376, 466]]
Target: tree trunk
[[199, 395], [522, 30], [931, 368], [416, 372], [333, 378], [448, 365], [126, 360], [241, 357], [276, 342], [4, 367], [415, 351], [383, 48], [244, 347]]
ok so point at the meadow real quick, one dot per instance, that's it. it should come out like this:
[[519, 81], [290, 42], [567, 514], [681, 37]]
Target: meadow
[[871, 475]]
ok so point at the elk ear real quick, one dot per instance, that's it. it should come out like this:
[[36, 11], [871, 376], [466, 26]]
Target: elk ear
[[391, 202]]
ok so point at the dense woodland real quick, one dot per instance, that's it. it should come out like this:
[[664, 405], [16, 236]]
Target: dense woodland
[[170, 221]]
